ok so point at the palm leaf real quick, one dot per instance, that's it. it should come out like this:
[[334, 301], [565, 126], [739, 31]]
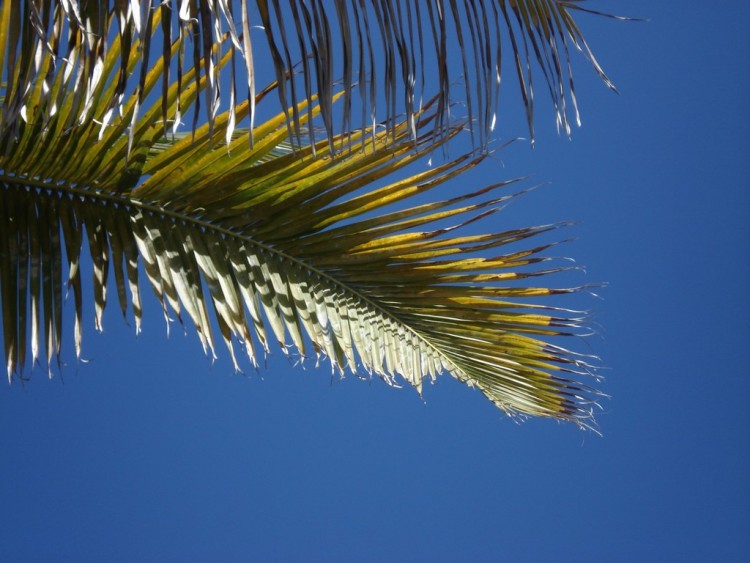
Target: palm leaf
[[392, 49], [319, 254]]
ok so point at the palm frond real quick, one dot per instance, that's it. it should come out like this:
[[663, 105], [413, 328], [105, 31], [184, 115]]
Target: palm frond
[[395, 51], [322, 254]]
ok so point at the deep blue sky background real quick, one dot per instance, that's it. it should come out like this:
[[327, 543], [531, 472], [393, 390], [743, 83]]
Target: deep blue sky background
[[150, 453]]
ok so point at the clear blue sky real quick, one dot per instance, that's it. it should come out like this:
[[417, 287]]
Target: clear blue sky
[[151, 453]]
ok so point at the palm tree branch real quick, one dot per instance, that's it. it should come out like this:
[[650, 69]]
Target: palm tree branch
[[308, 57], [263, 243], [307, 293]]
